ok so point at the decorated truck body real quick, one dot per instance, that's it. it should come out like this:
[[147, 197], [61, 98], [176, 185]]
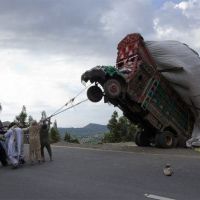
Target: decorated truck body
[[145, 96]]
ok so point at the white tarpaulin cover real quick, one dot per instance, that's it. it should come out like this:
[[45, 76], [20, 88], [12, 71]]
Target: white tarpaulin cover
[[174, 54]]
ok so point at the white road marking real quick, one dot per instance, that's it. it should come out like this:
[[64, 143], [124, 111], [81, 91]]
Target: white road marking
[[152, 196]]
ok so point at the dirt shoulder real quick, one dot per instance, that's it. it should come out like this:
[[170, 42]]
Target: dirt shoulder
[[132, 147]]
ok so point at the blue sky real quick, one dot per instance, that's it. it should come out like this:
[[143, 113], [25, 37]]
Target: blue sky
[[45, 46]]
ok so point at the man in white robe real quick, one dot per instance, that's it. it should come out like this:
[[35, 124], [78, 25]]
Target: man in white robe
[[14, 137], [20, 144]]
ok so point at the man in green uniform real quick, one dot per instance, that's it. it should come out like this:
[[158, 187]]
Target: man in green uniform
[[44, 140]]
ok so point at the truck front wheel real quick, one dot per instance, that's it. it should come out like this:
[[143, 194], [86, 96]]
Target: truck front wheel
[[94, 93], [112, 88]]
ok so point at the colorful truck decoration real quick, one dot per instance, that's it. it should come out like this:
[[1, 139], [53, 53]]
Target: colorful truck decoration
[[144, 95]]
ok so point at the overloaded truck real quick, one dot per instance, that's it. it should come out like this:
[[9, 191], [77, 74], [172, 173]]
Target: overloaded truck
[[137, 87]]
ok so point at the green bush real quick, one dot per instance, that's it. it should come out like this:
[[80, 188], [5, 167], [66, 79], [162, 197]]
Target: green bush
[[120, 129], [69, 139], [54, 135]]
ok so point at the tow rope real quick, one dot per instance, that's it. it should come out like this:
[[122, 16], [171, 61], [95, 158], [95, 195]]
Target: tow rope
[[67, 108], [61, 109]]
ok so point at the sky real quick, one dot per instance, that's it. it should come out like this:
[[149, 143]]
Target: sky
[[46, 45]]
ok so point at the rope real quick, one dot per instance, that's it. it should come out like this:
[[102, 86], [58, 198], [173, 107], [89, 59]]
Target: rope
[[60, 110], [68, 108], [70, 101]]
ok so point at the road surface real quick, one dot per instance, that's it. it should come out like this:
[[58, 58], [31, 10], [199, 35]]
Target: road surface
[[95, 174]]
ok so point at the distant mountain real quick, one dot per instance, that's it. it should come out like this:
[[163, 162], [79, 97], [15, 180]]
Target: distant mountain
[[88, 130]]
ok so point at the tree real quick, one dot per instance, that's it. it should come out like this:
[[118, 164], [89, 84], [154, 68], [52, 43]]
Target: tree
[[113, 128], [44, 115], [67, 137], [108, 137], [112, 124], [22, 117], [54, 133], [30, 119], [55, 124], [70, 139], [123, 125], [132, 130], [75, 140], [121, 129]]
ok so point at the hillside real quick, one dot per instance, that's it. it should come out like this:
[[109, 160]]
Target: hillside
[[88, 130]]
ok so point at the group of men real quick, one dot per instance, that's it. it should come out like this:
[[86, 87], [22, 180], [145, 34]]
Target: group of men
[[12, 143]]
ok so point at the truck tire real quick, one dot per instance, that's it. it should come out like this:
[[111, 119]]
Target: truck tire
[[165, 139], [94, 93], [112, 88], [136, 139], [182, 142], [142, 139]]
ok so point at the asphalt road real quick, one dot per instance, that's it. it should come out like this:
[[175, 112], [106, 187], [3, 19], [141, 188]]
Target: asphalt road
[[92, 174]]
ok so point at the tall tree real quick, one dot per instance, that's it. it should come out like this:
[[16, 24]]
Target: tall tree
[[123, 125], [54, 133], [112, 123], [114, 134], [55, 124], [120, 129], [44, 115], [70, 139], [132, 130], [67, 137], [22, 117], [30, 119]]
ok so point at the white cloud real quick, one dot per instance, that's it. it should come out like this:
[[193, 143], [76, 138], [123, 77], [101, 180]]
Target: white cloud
[[183, 5], [125, 17], [179, 21]]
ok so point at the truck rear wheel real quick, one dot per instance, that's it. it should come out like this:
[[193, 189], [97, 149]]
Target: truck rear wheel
[[182, 141], [165, 139], [112, 88], [94, 93], [142, 139]]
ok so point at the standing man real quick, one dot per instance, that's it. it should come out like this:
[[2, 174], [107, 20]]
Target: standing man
[[20, 143], [44, 139], [14, 137], [34, 140]]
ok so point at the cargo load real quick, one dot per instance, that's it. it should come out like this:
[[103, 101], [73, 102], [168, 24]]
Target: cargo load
[[181, 67]]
